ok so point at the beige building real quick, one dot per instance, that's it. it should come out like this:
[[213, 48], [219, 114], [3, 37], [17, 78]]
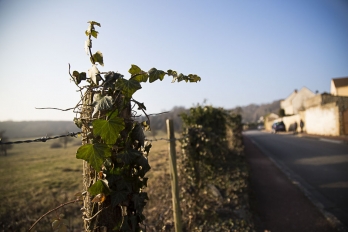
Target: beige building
[[326, 114], [339, 86], [293, 104], [322, 114]]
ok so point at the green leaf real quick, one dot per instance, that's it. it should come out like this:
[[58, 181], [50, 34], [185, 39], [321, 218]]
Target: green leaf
[[99, 187], [128, 87], [82, 76], [139, 201], [94, 74], [137, 134], [94, 23], [155, 74], [122, 184], [128, 156], [75, 74], [78, 77], [117, 197], [194, 78], [94, 33], [138, 74], [144, 163], [110, 79], [98, 57], [109, 130], [115, 171], [94, 154], [181, 77], [101, 103], [172, 73], [134, 69], [141, 77]]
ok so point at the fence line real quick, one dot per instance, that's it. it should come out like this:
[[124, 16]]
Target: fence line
[[42, 139], [74, 134]]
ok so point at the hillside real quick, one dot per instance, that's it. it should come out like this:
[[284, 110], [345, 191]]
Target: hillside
[[25, 129], [252, 112]]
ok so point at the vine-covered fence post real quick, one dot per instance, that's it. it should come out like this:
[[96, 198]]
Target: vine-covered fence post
[[113, 143], [174, 176]]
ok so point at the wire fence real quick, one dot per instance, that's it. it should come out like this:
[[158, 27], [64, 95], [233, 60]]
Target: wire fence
[[74, 134], [42, 139]]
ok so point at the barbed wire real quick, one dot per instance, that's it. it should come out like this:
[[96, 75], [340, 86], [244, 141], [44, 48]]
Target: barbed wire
[[74, 134], [164, 139], [42, 139]]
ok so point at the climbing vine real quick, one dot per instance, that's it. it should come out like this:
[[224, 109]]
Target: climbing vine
[[114, 150]]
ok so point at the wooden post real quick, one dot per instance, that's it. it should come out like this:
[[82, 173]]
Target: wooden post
[[174, 176], [88, 171]]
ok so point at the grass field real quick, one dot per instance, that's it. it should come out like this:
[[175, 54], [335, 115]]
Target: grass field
[[35, 178]]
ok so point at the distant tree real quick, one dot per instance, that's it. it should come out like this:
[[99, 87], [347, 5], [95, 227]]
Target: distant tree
[[4, 147], [281, 113], [65, 140], [238, 110]]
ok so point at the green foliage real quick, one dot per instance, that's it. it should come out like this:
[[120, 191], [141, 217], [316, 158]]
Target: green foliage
[[155, 75], [212, 166], [98, 57], [94, 154], [109, 129], [128, 87], [205, 144], [114, 143], [99, 187]]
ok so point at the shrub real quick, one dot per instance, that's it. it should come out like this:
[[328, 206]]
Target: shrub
[[56, 145]]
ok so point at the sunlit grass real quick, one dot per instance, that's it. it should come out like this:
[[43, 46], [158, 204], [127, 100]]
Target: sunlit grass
[[35, 178]]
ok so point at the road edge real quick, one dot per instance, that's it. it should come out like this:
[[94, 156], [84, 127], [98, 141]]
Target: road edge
[[304, 186]]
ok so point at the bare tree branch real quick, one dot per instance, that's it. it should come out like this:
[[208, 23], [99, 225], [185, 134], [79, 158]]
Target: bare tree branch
[[50, 211]]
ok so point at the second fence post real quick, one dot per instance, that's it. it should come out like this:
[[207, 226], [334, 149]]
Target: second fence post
[[174, 176]]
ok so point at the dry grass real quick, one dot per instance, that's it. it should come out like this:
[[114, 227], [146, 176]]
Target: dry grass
[[158, 211], [34, 179]]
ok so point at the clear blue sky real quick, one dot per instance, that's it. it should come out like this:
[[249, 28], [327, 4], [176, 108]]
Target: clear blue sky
[[246, 51]]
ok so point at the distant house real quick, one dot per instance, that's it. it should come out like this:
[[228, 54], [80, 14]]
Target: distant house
[[322, 114], [294, 103], [339, 86]]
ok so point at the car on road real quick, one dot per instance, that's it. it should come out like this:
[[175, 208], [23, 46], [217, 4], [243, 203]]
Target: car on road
[[278, 126]]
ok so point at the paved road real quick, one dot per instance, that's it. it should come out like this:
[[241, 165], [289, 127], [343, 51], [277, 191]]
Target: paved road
[[320, 168]]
